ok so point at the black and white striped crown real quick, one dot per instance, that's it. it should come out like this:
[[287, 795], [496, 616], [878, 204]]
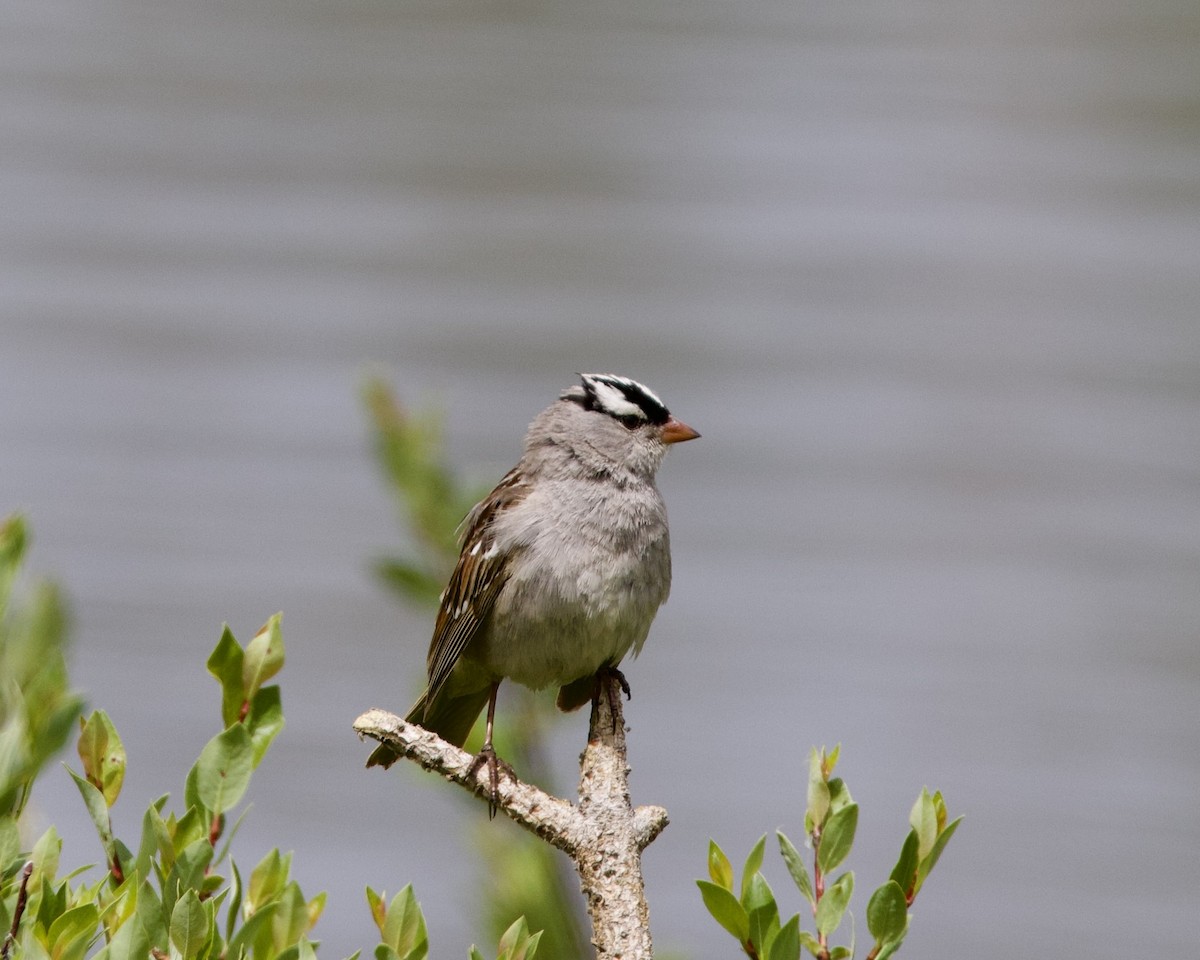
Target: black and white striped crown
[[620, 397]]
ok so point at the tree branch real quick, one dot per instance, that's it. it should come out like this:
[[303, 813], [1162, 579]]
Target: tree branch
[[554, 820], [22, 895], [610, 872], [604, 836]]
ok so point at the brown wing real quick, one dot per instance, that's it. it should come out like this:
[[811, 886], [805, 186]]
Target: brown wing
[[478, 576]]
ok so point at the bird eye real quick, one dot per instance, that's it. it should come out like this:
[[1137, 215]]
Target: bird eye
[[630, 421]]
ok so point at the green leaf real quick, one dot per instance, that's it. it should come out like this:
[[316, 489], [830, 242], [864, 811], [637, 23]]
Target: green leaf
[[315, 907], [74, 949], [264, 720], [149, 843], [209, 885], [214, 945], [725, 909], [758, 893], [122, 857], [404, 927], [887, 913], [150, 913], [10, 843], [13, 539], [475, 954], [840, 953], [516, 931], [833, 904], [939, 806], [45, 856], [905, 870], [378, 908], [192, 826], [267, 880], [16, 762], [83, 894], [837, 838], [263, 657], [68, 927], [888, 949], [191, 863], [786, 945], [291, 918], [810, 943], [97, 809], [831, 760], [720, 870], [30, 947], [513, 940], [761, 910], [130, 942], [528, 949], [103, 755], [248, 932], [235, 900], [753, 865], [189, 926], [839, 795], [924, 821], [223, 769], [931, 860], [51, 901], [818, 793], [225, 663], [796, 867]]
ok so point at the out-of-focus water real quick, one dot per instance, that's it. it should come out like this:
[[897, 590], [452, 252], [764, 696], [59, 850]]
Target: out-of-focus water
[[925, 276]]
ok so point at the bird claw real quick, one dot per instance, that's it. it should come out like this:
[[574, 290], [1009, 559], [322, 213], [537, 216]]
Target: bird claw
[[606, 676], [495, 766], [617, 675]]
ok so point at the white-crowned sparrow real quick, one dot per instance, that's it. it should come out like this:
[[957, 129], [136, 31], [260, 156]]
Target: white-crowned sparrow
[[563, 566]]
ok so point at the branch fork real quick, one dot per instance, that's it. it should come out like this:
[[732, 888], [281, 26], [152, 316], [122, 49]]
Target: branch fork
[[604, 835]]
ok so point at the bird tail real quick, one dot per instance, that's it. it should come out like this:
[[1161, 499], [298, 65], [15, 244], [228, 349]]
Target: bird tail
[[450, 717], [575, 694]]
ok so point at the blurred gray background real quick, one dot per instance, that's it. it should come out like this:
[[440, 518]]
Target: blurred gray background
[[925, 275]]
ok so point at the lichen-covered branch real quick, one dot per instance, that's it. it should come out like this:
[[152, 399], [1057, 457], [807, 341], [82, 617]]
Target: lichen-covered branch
[[551, 818], [610, 871], [604, 835]]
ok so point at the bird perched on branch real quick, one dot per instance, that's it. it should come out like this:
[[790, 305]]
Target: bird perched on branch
[[562, 567]]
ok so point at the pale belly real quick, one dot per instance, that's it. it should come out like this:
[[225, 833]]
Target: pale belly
[[582, 625]]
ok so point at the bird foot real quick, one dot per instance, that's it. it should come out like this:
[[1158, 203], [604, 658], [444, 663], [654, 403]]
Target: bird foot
[[495, 766], [613, 673], [605, 678]]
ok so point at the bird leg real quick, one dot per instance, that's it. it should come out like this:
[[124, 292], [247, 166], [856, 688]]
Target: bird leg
[[605, 678], [487, 755]]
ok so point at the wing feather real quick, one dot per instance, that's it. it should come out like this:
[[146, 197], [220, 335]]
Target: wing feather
[[479, 574]]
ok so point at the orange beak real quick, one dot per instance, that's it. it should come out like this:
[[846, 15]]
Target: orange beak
[[676, 431]]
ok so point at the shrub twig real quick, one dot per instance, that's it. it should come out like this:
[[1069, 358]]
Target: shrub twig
[[22, 898]]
